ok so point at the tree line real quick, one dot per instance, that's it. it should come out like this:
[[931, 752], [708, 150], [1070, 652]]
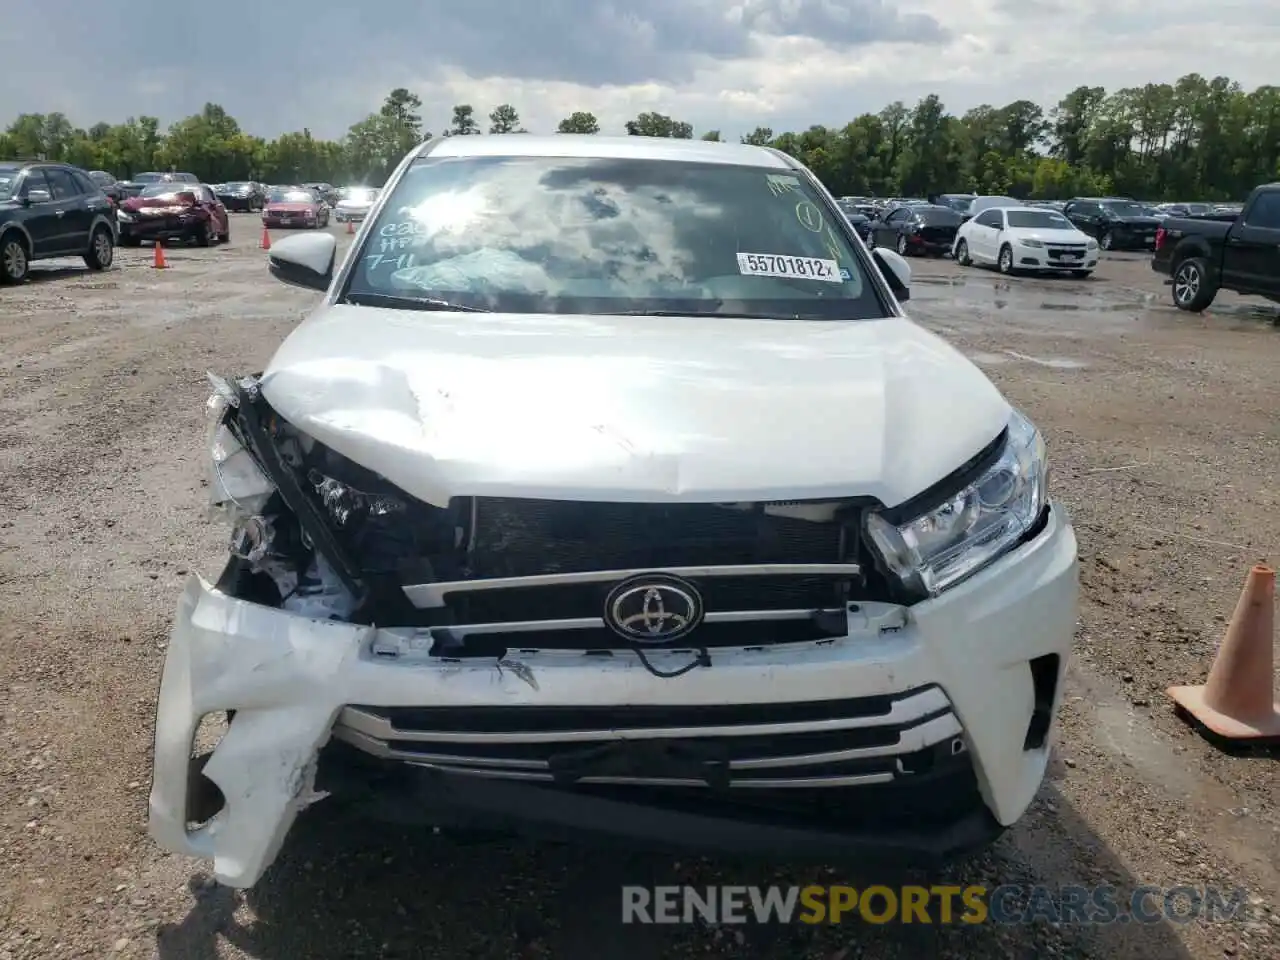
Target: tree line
[[1196, 139]]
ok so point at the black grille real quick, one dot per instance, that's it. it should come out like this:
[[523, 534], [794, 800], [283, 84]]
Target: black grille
[[566, 718], [515, 538]]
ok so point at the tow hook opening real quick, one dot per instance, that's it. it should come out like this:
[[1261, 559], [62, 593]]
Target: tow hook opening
[[1044, 681], [204, 799]]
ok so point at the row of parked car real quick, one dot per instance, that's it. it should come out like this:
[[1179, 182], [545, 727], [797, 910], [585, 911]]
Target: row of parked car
[[56, 210], [1202, 248]]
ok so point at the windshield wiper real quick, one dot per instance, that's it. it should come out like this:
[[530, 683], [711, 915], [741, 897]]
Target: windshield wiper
[[691, 313], [409, 303]]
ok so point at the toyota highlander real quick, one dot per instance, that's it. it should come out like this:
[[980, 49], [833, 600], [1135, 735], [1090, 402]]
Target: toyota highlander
[[610, 492]]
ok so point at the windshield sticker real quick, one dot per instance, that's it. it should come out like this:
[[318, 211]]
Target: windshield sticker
[[402, 262], [810, 217], [833, 244], [779, 184], [772, 265]]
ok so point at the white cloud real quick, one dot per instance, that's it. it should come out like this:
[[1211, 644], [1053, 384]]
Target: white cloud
[[718, 64], [1001, 50]]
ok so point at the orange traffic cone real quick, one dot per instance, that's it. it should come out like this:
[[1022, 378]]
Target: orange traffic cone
[[1237, 702], [158, 263], [351, 227], [266, 239]]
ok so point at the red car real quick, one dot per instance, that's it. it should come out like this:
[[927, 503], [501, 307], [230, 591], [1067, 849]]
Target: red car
[[173, 211], [294, 207]]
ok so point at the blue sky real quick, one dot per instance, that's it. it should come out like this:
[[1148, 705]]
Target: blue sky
[[280, 65]]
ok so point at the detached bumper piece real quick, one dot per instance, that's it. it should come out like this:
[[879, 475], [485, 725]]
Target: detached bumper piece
[[885, 778]]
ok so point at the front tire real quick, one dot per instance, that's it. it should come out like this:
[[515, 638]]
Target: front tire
[[1005, 260], [1193, 290], [1082, 274], [902, 245], [962, 253], [101, 250], [204, 234], [15, 261], [1107, 241]]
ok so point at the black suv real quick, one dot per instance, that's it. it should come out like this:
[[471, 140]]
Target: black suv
[[1116, 222], [52, 210]]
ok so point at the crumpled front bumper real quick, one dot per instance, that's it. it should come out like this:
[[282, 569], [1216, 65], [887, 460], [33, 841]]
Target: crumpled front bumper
[[288, 677]]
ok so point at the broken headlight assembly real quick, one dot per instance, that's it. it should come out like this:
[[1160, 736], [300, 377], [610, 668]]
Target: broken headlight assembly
[[239, 489], [976, 525]]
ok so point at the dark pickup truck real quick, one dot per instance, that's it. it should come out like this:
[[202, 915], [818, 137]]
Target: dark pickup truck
[[1202, 255]]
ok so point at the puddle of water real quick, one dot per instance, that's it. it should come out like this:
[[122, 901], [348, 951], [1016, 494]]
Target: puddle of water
[[1093, 307]]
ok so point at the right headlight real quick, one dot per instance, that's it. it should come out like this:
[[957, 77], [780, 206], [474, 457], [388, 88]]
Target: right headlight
[[976, 525]]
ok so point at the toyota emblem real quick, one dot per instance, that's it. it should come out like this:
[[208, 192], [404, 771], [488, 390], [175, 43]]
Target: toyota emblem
[[653, 608]]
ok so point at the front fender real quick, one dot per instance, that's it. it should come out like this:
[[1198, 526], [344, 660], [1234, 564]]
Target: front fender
[[6, 227], [109, 222]]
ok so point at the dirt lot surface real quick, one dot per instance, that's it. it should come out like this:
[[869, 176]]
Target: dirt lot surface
[[1166, 448]]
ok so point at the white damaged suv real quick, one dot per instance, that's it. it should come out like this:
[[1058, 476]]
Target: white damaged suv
[[609, 492]]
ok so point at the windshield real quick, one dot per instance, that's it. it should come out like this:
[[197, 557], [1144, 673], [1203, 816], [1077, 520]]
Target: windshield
[[978, 204], [292, 196], [8, 181], [358, 194], [237, 187], [590, 235], [939, 216], [1038, 220], [149, 178], [1125, 208], [165, 190]]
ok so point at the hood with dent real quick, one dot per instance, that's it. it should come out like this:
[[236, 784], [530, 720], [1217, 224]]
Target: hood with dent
[[634, 408]]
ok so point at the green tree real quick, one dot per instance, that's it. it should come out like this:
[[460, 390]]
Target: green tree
[[712, 136], [504, 119], [1200, 137], [464, 121], [659, 125], [579, 122]]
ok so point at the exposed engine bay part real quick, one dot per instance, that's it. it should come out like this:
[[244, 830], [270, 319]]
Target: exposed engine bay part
[[321, 536]]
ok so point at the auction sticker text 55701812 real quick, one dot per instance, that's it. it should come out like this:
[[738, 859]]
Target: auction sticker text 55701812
[[801, 268]]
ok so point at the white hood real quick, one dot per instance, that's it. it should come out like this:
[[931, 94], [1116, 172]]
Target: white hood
[[1049, 236], [634, 408]]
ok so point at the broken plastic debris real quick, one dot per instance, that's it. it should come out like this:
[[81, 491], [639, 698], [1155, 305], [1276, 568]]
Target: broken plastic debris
[[320, 594]]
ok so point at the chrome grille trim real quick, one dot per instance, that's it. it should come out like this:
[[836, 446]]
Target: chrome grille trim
[[432, 595], [597, 623], [908, 710], [923, 719]]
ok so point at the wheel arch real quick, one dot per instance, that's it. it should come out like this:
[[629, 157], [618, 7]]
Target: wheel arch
[[6, 228], [101, 220]]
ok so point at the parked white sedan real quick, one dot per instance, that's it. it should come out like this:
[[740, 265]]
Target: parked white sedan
[[1025, 238]]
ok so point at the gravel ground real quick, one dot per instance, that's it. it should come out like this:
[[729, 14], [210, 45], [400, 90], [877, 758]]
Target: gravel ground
[[1165, 447]]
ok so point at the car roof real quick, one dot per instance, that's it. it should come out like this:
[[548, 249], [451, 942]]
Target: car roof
[[1023, 208], [596, 146]]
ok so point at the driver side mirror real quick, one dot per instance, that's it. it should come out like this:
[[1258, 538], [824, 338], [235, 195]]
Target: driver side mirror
[[896, 272], [305, 260], [37, 196]]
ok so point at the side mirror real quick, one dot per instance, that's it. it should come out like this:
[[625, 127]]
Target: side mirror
[[896, 272], [305, 260], [38, 196]]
